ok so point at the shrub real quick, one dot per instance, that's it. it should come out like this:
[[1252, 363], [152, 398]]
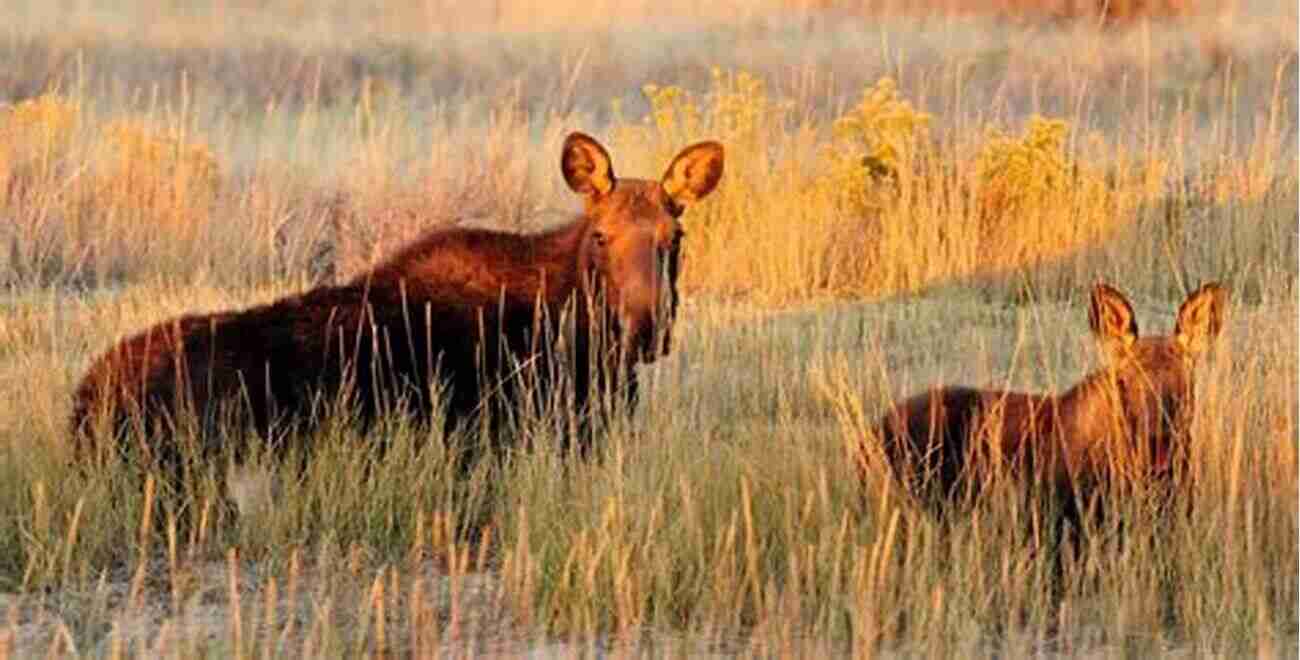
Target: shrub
[[35, 135], [1033, 200], [154, 179], [873, 143]]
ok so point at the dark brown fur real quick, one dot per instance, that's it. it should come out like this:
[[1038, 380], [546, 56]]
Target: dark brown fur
[[1127, 420], [477, 307]]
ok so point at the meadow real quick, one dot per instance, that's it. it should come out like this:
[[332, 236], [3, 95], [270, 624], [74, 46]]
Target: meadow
[[910, 197]]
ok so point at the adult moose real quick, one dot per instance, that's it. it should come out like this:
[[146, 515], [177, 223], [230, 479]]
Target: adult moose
[[1128, 420], [469, 312]]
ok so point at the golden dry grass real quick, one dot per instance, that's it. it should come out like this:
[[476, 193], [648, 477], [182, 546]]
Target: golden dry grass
[[909, 199]]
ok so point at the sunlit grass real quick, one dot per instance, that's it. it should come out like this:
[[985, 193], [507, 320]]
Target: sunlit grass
[[724, 510], [899, 209]]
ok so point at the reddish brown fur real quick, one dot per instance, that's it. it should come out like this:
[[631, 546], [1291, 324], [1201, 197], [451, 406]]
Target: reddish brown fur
[[1129, 419], [493, 301]]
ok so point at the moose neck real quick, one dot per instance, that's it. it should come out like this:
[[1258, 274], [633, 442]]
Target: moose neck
[[545, 268], [1093, 407], [487, 268]]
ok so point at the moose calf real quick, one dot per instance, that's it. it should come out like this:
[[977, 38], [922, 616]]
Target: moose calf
[[1129, 419]]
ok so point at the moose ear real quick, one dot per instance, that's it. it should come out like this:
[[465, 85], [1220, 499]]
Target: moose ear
[[1200, 318], [1111, 318], [694, 173], [586, 166]]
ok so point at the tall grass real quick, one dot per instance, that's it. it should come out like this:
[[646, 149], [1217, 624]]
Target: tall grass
[[920, 167], [723, 513], [906, 201]]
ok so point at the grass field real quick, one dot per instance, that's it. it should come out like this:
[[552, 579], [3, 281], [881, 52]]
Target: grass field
[[910, 197]]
